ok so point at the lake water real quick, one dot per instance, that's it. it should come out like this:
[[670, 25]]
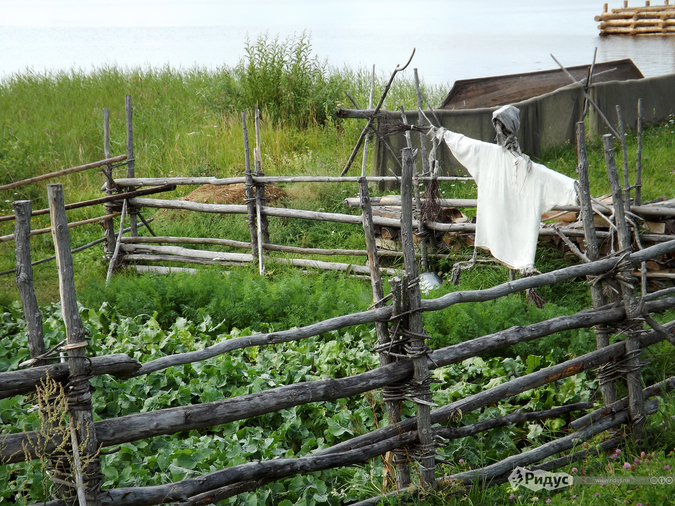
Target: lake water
[[454, 39]]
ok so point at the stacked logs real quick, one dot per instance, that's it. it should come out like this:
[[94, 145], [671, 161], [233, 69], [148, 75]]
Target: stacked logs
[[647, 20]]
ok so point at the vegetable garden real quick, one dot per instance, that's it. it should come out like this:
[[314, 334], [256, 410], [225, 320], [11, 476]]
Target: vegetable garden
[[408, 443]]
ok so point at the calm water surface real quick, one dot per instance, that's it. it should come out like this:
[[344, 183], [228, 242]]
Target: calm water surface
[[454, 39]]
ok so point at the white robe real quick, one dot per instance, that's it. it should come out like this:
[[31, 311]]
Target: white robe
[[511, 199]]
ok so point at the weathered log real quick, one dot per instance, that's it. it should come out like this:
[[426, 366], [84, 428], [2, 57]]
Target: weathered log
[[24, 280], [346, 218], [63, 172], [624, 151], [278, 468], [511, 419], [330, 266], [47, 230], [592, 249], [393, 407], [155, 181], [131, 161], [140, 257], [25, 380], [590, 269], [247, 245], [638, 158], [160, 269], [114, 258], [364, 162], [186, 252], [74, 250], [249, 190], [186, 240], [656, 389], [261, 219], [109, 186], [633, 312], [647, 211], [102, 200], [507, 465], [78, 392], [417, 345]]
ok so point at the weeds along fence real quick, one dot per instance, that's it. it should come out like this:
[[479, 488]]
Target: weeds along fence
[[24, 211], [403, 375]]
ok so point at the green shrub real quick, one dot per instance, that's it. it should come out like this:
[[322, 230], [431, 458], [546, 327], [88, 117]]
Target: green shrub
[[282, 78]]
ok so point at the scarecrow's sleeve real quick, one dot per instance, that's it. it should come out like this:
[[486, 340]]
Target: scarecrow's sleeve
[[466, 150]]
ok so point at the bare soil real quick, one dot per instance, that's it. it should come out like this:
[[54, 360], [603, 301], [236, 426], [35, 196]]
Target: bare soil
[[232, 194]]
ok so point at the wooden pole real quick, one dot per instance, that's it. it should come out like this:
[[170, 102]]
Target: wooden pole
[[24, 280], [102, 200], [261, 228], [633, 377], [418, 201], [393, 406], [394, 394], [131, 161], [371, 120], [251, 208], [429, 186], [78, 390], [589, 82], [592, 251], [260, 185], [108, 225], [364, 164], [638, 162], [418, 347], [63, 172], [47, 230], [118, 243], [591, 101], [624, 152]]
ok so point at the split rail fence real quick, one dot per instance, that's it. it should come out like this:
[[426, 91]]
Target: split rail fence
[[403, 375]]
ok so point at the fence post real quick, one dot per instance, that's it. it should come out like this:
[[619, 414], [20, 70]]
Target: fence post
[[78, 391], [24, 279], [638, 157], [109, 224], [593, 253], [417, 347], [250, 196], [260, 187], [422, 234], [131, 161], [633, 311], [392, 395]]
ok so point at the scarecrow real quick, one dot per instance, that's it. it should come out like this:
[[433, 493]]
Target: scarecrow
[[513, 191]]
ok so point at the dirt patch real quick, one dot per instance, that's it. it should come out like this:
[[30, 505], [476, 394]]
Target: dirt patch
[[231, 194]]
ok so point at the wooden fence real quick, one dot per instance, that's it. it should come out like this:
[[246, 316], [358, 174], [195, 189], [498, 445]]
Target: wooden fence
[[405, 361], [106, 166]]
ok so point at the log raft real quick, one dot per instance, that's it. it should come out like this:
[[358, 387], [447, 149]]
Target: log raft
[[644, 20]]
